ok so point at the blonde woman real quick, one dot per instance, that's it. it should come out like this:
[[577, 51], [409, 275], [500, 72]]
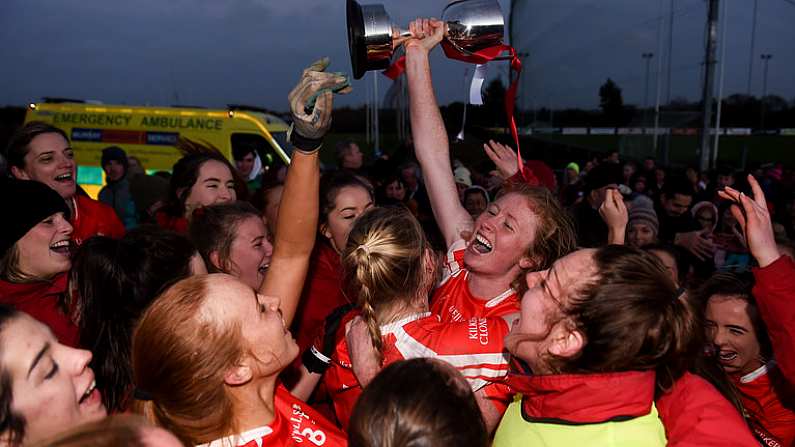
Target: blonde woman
[[390, 268]]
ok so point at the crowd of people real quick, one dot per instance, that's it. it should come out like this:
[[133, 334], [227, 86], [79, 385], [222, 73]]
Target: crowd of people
[[417, 303]]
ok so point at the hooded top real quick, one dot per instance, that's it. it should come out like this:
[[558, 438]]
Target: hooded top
[[42, 300], [116, 194]]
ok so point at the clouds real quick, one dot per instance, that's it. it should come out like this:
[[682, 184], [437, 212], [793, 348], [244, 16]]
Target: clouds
[[210, 52], [205, 52], [575, 45]]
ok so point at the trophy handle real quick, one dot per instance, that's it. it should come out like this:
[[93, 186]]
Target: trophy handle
[[400, 36]]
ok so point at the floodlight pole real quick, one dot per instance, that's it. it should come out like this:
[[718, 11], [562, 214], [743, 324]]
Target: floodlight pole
[[765, 59], [646, 57], [751, 56], [709, 75]]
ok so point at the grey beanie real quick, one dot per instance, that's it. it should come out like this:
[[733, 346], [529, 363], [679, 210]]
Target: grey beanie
[[644, 215]]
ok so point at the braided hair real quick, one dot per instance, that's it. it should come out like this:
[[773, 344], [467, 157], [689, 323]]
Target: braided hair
[[384, 265]]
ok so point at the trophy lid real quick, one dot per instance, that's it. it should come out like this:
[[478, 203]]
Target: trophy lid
[[369, 37], [356, 43]]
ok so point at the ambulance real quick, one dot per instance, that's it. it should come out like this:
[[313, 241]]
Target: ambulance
[[150, 133]]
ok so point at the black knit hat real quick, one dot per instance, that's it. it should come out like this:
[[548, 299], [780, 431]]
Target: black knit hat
[[26, 203], [603, 175], [114, 153]]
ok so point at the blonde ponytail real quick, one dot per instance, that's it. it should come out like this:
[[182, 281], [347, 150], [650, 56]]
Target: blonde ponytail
[[370, 318], [383, 265]]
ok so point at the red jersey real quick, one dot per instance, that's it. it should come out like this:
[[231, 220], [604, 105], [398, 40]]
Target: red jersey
[[475, 347], [453, 301], [321, 295], [295, 424], [769, 400], [92, 218]]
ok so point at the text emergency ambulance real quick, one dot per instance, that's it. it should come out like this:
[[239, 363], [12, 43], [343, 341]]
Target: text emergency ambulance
[[150, 133]]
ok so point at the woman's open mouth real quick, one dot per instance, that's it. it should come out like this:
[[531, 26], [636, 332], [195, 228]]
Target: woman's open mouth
[[481, 245], [727, 356], [91, 395], [65, 178], [63, 247]]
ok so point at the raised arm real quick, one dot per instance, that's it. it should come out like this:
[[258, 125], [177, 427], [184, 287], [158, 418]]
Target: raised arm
[[614, 213], [429, 134], [774, 290], [296, 225]]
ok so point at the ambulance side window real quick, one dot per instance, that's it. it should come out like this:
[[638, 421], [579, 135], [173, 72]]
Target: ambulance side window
[[271, 161]]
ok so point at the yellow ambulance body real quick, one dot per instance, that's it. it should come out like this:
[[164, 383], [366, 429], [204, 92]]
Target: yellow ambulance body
[[150, 133]]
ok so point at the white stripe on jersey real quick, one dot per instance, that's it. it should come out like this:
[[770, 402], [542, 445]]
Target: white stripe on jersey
[[500, 298], [391, 327], [451, 267], [241, 439], [472, 366]]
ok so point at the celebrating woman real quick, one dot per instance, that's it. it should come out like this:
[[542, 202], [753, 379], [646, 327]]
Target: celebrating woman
[[35, 247], [213, 378], [742, 347], [202, 177], [609, 343], [524, 229], [41, 152], [344, 196], [390, 268], [45, 386]]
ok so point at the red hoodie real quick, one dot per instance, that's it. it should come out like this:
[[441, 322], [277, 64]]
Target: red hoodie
[[768, 399], [775, 295], [40, 300], [92, 218], [169, 222], [695, 414]]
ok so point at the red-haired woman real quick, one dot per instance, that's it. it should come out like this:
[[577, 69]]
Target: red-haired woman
[[213, 378]]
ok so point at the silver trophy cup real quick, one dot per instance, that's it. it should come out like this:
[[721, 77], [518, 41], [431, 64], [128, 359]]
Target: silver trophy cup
[[472, 25]]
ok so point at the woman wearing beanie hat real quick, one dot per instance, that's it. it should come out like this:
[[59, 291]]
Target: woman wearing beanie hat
[[35, 242], [643, 226], [706, 214], [41, 152], [116, 193]]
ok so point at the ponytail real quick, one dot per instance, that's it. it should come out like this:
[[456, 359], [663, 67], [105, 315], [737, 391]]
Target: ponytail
[[370, 318], [633, 319], [678, 341], [383, 264]]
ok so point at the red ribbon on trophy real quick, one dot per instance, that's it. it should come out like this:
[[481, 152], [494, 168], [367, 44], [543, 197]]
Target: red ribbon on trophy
[[482, 57]]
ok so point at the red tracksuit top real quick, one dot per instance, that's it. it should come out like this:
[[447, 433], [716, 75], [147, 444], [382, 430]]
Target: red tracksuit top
[[92, 218], [40, 300], [768, 399], [775, 295]]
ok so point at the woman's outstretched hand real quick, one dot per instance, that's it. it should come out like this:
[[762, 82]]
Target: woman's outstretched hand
[[754, 219]]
